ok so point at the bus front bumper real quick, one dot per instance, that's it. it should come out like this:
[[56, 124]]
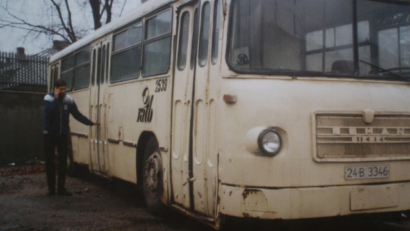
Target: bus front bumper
[[311, 202]]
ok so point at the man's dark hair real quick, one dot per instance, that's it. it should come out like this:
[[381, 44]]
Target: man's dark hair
[[59, 83]]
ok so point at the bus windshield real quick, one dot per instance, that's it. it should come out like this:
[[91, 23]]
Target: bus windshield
[[355, 38]]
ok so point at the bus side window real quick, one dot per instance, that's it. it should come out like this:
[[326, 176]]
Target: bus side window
[[103, 56], [157, 46], [108, 61], [215, 32], [99, 67], [82, 69], [183, 41], [195, 39], [67, 71], [204, 37], [93, 68], [126, 54]]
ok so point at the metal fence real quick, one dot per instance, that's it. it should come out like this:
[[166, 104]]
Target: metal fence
[[23, 72]]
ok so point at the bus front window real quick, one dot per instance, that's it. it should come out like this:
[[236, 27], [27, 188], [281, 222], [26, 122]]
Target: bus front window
[[316, 37], [386, 37]]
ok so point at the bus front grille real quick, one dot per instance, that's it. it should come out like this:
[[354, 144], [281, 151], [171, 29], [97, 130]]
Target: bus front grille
[[347, 137]]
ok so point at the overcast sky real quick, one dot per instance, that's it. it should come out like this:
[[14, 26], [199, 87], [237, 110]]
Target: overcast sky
[[34, 12]]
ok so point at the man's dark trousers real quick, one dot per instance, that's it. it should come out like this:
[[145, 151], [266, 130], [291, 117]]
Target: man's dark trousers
[[50, 143]]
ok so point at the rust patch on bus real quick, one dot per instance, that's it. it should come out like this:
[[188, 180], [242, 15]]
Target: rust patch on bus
[[254, 200], [247, 215], [248, 192]]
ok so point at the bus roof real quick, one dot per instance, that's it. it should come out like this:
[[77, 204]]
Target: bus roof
[[131, 16]]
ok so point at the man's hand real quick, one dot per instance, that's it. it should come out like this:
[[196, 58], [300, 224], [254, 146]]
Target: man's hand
[[96, 123]]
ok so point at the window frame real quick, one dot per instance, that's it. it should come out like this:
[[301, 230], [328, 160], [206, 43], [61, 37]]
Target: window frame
[[356, 45], [154, 39], [119, 52], [195, 38], [81, 65], [217, 18], [203, 54], [71, 84], [65, 69], [182, 66]]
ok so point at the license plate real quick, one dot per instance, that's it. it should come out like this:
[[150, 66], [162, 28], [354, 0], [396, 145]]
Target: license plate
[[367, 172]]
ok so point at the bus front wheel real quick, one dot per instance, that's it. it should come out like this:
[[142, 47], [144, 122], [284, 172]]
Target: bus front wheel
[[152, 182]]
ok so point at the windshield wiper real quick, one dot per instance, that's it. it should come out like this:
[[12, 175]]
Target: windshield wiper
[[385, 70]]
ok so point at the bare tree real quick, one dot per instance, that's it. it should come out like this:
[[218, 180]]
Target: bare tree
[[68, 27], [60, 18], [98, 12]]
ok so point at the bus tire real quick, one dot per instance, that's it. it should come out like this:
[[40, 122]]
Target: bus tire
[[152, 178]]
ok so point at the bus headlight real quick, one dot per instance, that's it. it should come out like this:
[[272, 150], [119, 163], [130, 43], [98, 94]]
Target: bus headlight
[[269, 142]]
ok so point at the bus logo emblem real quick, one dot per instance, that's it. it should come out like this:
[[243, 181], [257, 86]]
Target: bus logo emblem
[[145, 113]]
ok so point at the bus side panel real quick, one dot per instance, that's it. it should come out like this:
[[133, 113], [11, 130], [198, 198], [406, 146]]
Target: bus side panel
[[122, 111], [80, 132], [133, 110]]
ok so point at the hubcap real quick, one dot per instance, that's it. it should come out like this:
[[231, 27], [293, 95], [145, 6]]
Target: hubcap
[[152, 174]]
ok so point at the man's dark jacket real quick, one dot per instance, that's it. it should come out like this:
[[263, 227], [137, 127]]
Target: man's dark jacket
[[57, 114]]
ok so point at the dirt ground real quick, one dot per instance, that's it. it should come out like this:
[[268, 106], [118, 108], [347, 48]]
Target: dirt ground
[[99, 204], [96, 204]]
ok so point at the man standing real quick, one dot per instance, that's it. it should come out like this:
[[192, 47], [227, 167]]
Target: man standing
[[57, 108]]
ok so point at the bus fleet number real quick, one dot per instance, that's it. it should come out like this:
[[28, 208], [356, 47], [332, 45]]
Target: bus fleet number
[[161, 85]]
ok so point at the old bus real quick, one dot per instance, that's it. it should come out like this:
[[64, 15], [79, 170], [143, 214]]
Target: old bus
[[272, 109]]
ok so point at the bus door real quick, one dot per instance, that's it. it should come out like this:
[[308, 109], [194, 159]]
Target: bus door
[[193, 170], [98, 106]]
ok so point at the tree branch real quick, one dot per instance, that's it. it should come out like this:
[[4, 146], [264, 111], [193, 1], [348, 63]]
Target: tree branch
[[60, 15], [70, 23], [95, 7], [60, 18], [23, 24], [123, 5]]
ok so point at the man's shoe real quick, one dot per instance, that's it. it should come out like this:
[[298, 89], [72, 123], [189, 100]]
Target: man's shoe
[[51, 193], [64, 193]]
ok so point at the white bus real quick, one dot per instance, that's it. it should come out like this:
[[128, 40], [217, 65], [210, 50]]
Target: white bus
[[271, 109]]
